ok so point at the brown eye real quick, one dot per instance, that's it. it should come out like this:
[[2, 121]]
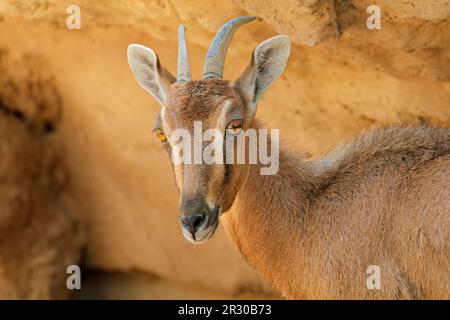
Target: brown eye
[[234, 127], [160, 135]]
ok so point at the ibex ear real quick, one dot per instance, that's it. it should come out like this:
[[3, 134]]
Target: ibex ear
[[148, 71], [268, 62]]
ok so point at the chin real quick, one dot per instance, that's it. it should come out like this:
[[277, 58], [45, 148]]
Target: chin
[[201, 235]]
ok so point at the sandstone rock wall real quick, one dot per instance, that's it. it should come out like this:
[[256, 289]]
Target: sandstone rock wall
[[38, 237], [341, 79]]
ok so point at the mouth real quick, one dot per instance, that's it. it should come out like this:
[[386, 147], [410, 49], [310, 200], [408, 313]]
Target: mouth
[[205, 231]]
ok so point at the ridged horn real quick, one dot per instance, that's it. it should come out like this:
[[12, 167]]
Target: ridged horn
[[183, 70], [217, 51]]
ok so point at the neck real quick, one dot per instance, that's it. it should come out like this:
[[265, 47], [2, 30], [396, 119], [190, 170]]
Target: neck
[[268, 218]]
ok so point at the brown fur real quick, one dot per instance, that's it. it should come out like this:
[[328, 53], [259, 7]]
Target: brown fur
[[383, 199], [203, 101], [314, 228]]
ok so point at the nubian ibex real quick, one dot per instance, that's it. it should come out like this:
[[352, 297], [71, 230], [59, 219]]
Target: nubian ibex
[[313, 228]]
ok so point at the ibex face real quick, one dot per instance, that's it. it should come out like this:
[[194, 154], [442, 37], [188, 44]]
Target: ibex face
[[207, 189]]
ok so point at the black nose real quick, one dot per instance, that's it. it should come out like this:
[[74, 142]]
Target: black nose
[[193, 221]]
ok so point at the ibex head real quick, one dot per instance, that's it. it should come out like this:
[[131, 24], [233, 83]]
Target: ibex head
[[207, 190]]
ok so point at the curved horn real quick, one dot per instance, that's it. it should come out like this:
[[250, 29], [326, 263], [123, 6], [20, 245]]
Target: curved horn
[[217, 51], [183, 70]]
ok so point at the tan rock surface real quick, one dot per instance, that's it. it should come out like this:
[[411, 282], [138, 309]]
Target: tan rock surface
[[38, 238], [120, 182]]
